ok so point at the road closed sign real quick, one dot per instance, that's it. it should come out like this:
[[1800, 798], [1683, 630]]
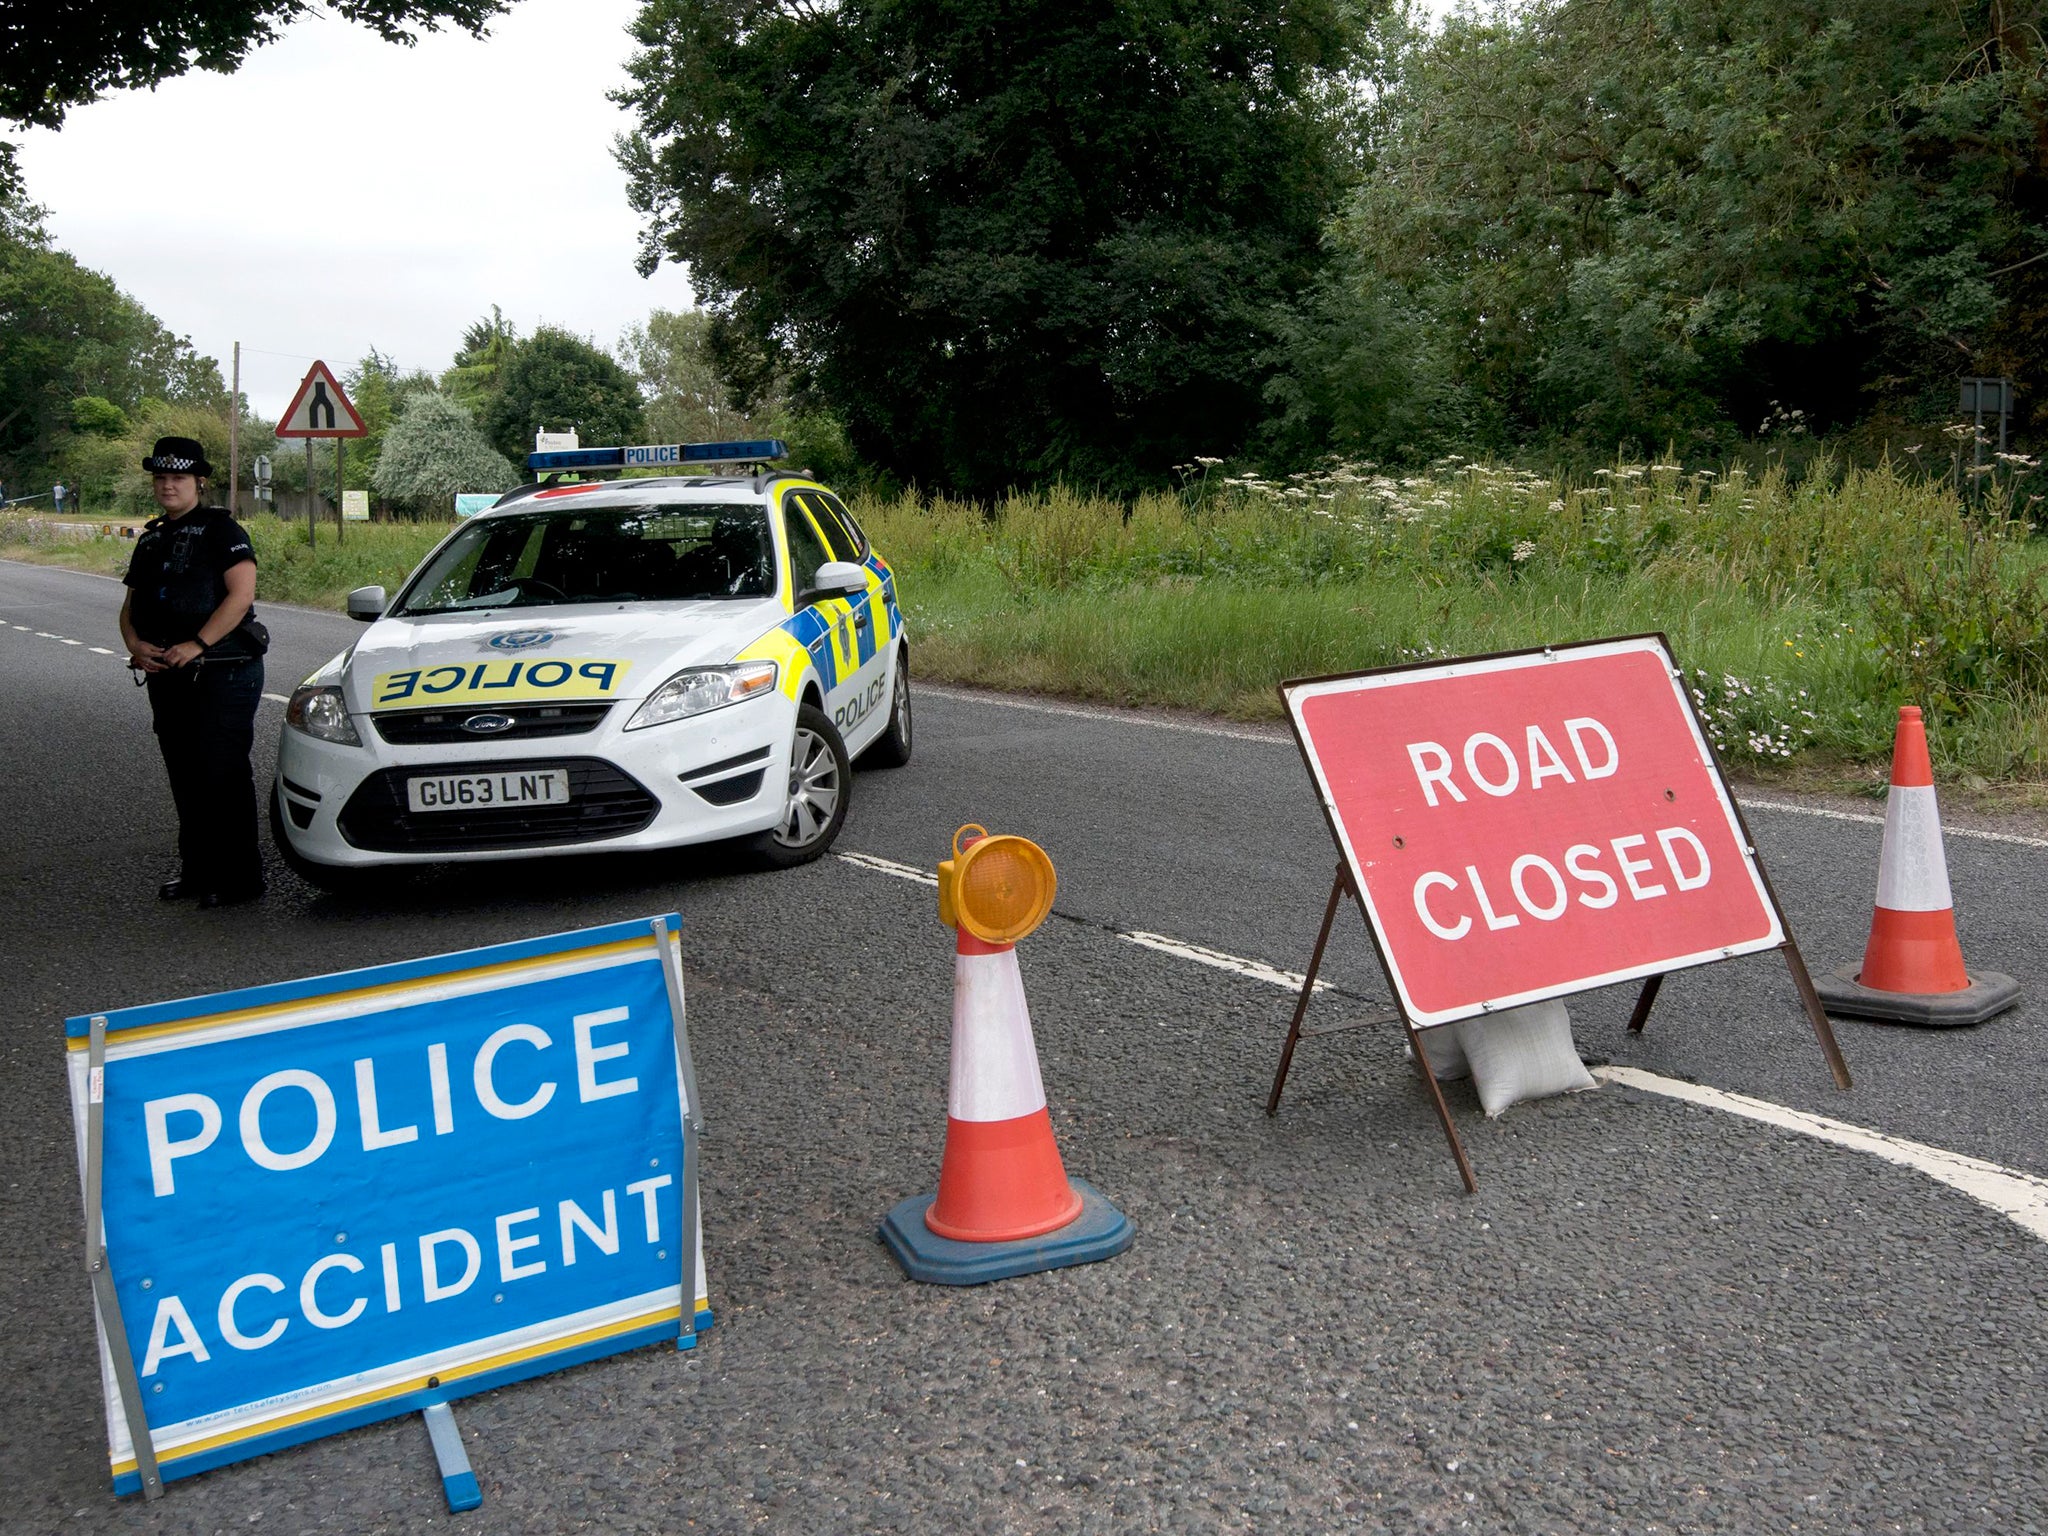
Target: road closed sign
[[1532, 825]]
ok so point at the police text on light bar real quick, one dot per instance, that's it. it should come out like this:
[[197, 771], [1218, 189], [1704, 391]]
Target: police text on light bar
[[658, 456]]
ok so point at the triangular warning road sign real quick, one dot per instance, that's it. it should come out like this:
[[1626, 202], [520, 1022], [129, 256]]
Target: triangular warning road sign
[[320, 409]]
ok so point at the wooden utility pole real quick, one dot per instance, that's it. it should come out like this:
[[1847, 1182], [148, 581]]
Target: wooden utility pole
[[235, 435]]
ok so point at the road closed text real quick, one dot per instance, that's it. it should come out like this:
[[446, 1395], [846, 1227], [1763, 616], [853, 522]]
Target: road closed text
[[1542, 884]]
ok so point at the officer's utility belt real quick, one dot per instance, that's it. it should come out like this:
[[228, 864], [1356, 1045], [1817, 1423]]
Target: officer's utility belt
[[191, 668]]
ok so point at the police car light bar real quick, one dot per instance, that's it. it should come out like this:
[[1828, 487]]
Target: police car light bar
[[657, 456]]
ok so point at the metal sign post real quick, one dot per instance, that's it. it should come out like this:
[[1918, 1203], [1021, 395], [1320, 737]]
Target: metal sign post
[[321, 409]]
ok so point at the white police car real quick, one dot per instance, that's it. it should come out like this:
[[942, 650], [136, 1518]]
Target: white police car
[[610, 665]]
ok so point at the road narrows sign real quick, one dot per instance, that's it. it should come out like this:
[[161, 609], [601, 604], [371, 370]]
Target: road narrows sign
[[321, 408], [334, 1201], [1533, 825]]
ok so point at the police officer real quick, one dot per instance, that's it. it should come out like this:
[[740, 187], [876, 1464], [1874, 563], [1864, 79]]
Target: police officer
[[190, 626]]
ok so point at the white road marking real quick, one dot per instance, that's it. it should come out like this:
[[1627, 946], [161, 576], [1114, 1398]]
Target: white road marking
[[2021, 1196], [1272, 737], [1878, 821], [277, 698], [889, 867], [1218, 960], [99, 650], [68, 642]]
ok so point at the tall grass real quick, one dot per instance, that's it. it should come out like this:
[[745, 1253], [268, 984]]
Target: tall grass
[[1805, 609]]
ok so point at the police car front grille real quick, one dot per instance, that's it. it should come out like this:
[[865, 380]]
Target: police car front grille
[[603, 802], [420, 727]]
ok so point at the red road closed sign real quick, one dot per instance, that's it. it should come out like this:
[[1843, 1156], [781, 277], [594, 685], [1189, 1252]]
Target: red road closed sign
[[1528, 826]]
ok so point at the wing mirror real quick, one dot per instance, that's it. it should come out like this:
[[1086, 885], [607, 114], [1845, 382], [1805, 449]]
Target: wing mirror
[[366, 603], [835, 578]]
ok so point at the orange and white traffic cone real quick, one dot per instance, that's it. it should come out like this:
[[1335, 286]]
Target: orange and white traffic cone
[[1001, 1177], [1912, 971], [1005, 1205]]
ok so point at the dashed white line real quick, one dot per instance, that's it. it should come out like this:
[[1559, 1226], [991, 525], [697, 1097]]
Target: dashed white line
[[1271, 736], [2021, 1196], [883, 866], [67, 642], [1216, 959], [99, 650], [277, 698]]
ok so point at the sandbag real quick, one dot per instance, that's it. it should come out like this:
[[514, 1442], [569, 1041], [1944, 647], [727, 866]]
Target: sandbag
[[1522, 1053]]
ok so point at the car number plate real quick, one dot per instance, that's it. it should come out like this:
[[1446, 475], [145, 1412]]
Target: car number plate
[[474, 791]]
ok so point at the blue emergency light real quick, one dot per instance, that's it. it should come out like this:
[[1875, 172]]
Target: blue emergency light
[[657, 456]]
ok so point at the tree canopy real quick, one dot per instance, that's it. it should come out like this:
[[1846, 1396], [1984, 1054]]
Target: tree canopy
[[67, 333], [1642, 220], [1002, 240], [433, 451], [557, 380]]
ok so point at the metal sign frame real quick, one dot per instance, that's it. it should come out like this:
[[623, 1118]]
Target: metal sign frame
[[1349, 880], [425, 1384]]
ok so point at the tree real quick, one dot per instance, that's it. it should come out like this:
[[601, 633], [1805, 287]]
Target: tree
[[1602, 221], [67, 332], [377, 390], [486, 347], [558, 380], [63, 55], [434, 451], [1002, 240], [687, 402]]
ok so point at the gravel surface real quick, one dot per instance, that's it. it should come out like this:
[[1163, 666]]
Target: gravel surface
[[1651, 1317]]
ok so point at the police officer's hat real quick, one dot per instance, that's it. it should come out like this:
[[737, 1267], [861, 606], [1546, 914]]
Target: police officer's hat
[[178, 456]]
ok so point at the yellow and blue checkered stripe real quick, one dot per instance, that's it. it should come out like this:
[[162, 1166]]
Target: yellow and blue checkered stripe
[[835, 645]]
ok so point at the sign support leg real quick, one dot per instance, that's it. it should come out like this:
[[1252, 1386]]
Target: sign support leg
[[1308, 989], [340, 513], [1436, 1097], [458, 1482], [1644, 1001], [1822, 1029], [125, 1379]]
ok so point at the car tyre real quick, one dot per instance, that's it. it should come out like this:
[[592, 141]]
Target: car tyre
[[325, 877], [820, 784], [892, 748]]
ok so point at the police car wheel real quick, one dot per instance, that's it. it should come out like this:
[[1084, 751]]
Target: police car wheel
[[820, 781], [891, 749], [325, 877]]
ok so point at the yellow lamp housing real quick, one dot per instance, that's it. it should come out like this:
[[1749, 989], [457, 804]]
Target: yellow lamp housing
[[997, 888]]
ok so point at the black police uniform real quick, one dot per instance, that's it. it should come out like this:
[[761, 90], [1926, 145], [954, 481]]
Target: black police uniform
[[204, 712]]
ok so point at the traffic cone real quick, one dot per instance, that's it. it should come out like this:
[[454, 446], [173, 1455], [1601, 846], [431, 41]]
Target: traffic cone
[[1001, 1177], [1912, 971], [1005, 1205]]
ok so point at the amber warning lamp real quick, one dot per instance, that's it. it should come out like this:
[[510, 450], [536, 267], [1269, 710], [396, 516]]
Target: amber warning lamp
[[996, 888]]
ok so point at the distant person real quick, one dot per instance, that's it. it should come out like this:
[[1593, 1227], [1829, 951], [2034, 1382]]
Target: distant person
[[190, 626]]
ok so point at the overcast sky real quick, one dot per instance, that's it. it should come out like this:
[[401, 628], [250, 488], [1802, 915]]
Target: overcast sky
[[339, 193]]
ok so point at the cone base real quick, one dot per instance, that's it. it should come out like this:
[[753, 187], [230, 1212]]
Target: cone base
[[1100, 1231], [1988, 993]]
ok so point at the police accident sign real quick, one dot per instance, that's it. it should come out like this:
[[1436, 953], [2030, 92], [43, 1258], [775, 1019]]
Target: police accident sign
[[1531, 825], [333, 1201]]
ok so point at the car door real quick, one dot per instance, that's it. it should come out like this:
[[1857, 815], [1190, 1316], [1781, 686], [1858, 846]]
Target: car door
[[828, 633], [867, 707]]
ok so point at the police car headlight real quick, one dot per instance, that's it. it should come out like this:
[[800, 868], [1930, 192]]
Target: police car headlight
[[320, 712], [701, 689]]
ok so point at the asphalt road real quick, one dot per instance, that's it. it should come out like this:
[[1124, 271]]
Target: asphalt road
[[1651, 1317]]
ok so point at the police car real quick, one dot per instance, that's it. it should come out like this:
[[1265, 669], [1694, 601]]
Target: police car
[[626, 664]]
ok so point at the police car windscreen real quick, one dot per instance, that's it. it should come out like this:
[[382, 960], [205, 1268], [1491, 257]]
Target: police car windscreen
[[549, 556]]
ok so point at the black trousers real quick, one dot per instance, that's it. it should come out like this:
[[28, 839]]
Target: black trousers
[[205, 716]]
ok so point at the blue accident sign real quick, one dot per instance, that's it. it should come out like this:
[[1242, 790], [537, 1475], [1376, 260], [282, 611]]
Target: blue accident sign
[[332, 1201]]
